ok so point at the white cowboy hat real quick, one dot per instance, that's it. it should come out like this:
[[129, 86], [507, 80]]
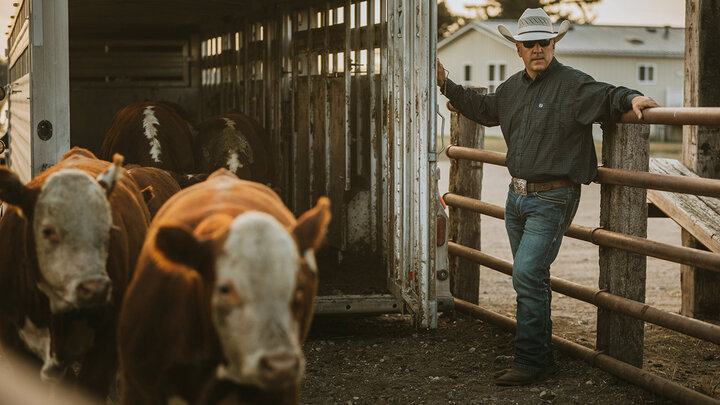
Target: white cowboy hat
[[534, 24]]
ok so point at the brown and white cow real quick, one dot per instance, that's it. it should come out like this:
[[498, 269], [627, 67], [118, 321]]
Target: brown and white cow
[[236, 142], [156, 185], [222, 297], [152, 134], [69, 240]]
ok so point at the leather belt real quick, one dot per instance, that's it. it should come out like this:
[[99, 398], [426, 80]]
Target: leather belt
[[522, 187]]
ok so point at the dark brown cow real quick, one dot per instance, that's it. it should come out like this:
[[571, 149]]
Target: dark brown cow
[[151, 134], [157, 185], [222, 297], [70, 240], [236, 142]]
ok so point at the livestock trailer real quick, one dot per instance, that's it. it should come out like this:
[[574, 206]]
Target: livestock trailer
[[345, 89]]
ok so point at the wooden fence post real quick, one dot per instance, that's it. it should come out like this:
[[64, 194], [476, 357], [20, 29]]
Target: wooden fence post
[[464, 228], [623, 209], [701, 144]]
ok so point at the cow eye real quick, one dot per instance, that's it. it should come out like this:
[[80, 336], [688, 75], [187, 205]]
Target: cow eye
[[49, 233], [224, 289]]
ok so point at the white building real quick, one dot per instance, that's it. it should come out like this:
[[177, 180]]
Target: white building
[[648, 59]]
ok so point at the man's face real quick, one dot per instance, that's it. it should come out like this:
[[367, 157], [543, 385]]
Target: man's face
[[538, 57]]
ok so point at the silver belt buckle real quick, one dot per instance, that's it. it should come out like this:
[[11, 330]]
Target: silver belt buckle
[[520, 186]]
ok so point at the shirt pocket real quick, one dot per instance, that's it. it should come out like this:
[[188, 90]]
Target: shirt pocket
[[547, 119]]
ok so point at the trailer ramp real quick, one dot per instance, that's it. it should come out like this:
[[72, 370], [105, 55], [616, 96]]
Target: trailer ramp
[[698, 215]]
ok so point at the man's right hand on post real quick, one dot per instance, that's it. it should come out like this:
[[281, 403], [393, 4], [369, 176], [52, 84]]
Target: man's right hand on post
[[440, 74]]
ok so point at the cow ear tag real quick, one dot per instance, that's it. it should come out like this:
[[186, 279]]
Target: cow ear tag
[[108, 179]]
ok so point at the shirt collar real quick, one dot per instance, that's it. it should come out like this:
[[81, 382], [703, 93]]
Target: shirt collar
[[553, 64]]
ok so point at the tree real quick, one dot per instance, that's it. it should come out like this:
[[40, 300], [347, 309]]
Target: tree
[[447, 22], [579, 11]]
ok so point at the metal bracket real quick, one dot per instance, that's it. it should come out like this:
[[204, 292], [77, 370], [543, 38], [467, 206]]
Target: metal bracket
[[433, 156], [357, 304]]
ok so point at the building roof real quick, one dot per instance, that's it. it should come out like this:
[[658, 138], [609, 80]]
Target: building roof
[[587, 39]]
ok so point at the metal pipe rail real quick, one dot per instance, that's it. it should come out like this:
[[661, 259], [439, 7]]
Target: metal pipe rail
[[664, 182], [675, 116], [602, 237], [603, 299], [634, 375]]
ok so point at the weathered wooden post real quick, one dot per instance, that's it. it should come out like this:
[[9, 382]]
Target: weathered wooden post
[[623, 209], [701, 144], [465, 180]]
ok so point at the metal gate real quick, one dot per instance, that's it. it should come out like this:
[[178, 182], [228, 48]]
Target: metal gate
[[347, 92]]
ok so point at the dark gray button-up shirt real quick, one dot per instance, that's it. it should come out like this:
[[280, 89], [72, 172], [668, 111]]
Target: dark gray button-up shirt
[[546, 122]]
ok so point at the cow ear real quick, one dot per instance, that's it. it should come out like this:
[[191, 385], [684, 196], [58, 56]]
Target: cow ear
[[13, 191], [108, 178], [311, 226], [178, 244], [148, 194]]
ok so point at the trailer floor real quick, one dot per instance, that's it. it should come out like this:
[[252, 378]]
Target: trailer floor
[[384, 360]]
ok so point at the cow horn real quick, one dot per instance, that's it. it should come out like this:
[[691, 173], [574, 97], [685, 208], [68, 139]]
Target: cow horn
[[108, 179]]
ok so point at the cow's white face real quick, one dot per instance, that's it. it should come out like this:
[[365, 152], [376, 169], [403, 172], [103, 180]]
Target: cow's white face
[[71, 226], [256, 279]]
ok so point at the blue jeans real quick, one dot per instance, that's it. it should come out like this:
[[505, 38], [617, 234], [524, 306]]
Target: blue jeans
[[535, 225]]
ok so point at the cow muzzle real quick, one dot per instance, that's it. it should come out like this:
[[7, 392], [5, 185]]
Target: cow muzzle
[[52, 371], [93, 292], [279, 370]]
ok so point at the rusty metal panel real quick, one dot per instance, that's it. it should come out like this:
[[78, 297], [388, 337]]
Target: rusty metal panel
[[348, 96], [338, 158], [302, 150], [345, 91], [385, 131], [411, 128], [396, 126], [376, 199]]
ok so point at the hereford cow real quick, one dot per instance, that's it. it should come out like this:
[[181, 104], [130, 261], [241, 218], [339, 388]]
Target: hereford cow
[[156, 185], [151, 134], [69, 240], [222, 297], [236, 142]]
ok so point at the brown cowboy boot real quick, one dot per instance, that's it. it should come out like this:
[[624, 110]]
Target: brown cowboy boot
[[516, 376]]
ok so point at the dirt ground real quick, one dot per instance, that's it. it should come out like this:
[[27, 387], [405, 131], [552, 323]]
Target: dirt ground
[[384, 360]]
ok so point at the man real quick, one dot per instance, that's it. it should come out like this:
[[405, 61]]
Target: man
[[546, 112]]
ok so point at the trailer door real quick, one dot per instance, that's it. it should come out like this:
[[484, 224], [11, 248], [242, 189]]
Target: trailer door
[[39, 103], [409, 97]]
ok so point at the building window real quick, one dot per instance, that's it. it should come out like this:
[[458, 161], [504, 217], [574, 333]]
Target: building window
[[496, 75], [467, 73], [646, 73]]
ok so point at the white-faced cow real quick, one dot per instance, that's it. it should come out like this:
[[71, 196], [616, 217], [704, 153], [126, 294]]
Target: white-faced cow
[[236, 142], [151, 134], [222, 297], [69, 240]]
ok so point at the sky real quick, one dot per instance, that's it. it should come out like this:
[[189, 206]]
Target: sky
[[620, 12]]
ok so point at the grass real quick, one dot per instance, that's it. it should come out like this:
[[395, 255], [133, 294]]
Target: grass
[[670, 150]]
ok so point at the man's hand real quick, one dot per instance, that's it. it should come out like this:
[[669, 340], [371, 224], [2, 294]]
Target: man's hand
[[440, 74], [640, 103]]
